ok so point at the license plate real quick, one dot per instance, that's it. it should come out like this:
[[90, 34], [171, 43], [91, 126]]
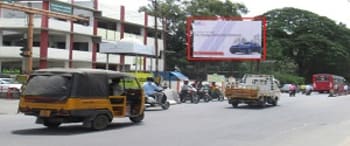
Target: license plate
[[45, 113]]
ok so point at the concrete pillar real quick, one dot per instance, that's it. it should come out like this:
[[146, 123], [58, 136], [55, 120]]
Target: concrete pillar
[[94, 44], [90, 45], [66, 62], [144, 34], [44, 37], [1, 38], [0, 67], [122, 25]]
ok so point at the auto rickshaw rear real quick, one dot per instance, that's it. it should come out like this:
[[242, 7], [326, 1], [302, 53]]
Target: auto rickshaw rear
[[57, 96]]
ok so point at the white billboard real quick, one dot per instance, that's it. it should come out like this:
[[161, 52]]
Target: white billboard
[[127, 46], [227, 39]]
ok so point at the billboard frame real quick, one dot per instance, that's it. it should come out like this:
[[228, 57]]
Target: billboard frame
[[189, 37]]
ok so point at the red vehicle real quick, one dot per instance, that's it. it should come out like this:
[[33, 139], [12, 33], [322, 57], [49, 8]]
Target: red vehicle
[[326, 82]]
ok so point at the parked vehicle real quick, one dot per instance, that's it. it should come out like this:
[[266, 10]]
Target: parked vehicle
[[56, 96], [254, 90], [285, 88], [10, 87]]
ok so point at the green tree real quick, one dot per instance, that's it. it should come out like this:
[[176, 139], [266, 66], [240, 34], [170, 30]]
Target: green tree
[[314, 43], [173, 14]]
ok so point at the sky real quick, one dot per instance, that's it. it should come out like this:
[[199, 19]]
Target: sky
[[337, 10]]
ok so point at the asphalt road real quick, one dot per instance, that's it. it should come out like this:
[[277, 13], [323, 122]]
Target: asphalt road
[[315, 120]]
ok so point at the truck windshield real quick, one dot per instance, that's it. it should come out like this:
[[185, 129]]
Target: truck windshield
[[56, 86]]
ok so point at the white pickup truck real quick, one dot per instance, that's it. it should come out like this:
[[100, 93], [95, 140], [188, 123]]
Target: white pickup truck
[[254, 89]]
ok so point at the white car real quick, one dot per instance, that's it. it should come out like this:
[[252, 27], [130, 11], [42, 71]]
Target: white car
[[285, 88], [12, 84]]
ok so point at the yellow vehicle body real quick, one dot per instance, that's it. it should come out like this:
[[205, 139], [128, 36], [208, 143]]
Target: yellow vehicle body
[[254, 90], [95, 111], [232, 93]]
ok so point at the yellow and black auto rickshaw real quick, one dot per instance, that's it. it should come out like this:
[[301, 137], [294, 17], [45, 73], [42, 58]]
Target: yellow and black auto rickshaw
[[59, 95]]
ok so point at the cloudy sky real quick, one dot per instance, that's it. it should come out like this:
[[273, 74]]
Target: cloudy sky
[[338, 10]]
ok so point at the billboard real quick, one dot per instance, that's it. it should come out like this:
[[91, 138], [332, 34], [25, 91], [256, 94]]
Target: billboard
[[126, 46], [225, 38]]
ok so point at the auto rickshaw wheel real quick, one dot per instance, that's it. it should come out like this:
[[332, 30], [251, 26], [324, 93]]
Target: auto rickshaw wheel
[[51, 124], [100, 122], [137, 119]]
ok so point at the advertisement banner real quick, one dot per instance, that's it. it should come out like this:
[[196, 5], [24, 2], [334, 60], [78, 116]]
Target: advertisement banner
[[127, 46], [227, 39]]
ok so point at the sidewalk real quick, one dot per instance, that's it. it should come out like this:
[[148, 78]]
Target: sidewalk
[[8, 106]]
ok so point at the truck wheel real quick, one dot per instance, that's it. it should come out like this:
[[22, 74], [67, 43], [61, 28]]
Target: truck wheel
[[262, 102], [234, 105], [274, 102], [100, 122], [138, 118], [51, 124]]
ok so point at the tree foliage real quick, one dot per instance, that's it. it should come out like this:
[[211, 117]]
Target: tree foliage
[[314, 43], [299, 42], [175, 13]]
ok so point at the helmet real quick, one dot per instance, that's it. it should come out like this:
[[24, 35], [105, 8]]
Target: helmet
[[186, 81], [150, 79]]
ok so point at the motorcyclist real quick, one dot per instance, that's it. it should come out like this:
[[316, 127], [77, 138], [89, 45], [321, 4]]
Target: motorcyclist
[[187, 92], [151, 89], [308, 89], [186, 86], [197, 85], [213, 89], [292, 90]]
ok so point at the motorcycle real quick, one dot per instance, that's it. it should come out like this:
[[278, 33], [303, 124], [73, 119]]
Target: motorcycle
[[203, 93], [216, 94], [190, 94], [159, 99], [308, 92], [292, 93]]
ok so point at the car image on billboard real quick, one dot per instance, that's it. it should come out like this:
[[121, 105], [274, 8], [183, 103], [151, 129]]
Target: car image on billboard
[[246, 48]]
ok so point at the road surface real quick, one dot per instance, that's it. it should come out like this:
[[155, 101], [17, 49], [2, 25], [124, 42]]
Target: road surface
[[315, 120]]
